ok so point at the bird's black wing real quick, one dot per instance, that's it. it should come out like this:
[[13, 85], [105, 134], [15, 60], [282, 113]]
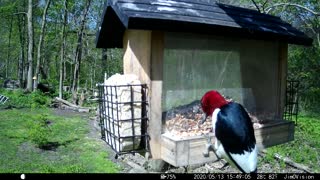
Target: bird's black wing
[[234, 129]]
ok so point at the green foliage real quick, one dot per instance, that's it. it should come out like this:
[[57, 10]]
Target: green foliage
[[303, 62], [39, 131], [305, 67], [51, 168], [305, 149], [92, 67], [78, 151], [47, 168], [74, 168], [116, 63], [1, 81], [20, 99]]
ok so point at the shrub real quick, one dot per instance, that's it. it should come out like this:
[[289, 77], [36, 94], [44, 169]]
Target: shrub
[[20, 99], [39, 131]]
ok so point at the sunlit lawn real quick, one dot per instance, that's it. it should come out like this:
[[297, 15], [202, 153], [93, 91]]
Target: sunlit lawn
[[73, 150]]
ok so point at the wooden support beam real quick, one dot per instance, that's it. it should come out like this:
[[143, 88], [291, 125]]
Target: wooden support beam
[[137, 54], [143, 56], [283, 64], [155, 122]]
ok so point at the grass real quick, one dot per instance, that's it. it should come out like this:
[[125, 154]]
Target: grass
[[75, 150], [305, 149], [24, 131], [21, 99]]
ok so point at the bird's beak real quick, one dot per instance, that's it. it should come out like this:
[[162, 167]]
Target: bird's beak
[[203, 119]]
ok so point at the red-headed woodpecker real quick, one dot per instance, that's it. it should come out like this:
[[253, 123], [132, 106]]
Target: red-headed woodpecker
[[234, 134]]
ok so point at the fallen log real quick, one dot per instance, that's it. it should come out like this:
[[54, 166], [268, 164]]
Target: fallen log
[[68, 105], [93, 118], [63, 106], [66, 102], [84, 110], [289, 162]]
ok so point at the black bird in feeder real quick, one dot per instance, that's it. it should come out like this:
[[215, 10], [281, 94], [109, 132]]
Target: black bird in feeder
[[234, 133]]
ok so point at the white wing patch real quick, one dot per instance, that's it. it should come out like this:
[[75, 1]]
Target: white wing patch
[[248, 160], [218, 148]]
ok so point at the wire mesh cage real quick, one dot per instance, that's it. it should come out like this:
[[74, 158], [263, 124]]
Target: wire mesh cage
[[123, 117], [3, 99], [291, 103]]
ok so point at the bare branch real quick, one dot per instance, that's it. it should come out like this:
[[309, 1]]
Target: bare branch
[[306, 24], [18, 13], [264, 5], [268, 9], [255, 4], [265, 2]]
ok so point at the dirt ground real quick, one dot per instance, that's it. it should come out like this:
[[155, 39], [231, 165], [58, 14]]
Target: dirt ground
[[220, 166], [137, 163]]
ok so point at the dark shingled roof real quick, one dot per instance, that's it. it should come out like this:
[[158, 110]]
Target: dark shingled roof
[[197, 16]]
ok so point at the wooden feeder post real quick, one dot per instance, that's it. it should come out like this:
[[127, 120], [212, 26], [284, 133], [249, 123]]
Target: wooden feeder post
[[283, 63], [143, 53]]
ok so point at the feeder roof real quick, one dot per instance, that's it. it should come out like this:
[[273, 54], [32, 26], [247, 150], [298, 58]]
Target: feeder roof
[[195, 16]]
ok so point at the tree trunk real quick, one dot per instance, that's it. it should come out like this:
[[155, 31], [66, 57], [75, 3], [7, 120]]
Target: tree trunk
[[62, 58], [9, 49], [78, 55], [57, 64], [43, 25], [21, 76], [64, 70], [25, 33], [91, 76], [30, 46], [71, 76], [94, 73], [104, 62]]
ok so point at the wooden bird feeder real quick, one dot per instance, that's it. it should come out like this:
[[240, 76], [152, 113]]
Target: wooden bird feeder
[[183, 48]]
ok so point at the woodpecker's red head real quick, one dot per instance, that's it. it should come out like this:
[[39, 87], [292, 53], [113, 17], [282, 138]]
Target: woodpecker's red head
[[212, 100]]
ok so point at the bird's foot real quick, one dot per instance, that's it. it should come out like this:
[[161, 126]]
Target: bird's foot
[[207, 150], [207, 136], [209, 146], [205, 154]]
